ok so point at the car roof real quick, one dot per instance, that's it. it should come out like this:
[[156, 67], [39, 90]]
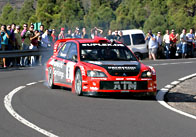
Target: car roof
[[80, 40]]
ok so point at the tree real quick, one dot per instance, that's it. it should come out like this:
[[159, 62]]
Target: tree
[[26, 12], [130, 14], [181, 14], [157, 19], [46, 10], [100, 14], [157, 15], [72, 14], [9, 15]]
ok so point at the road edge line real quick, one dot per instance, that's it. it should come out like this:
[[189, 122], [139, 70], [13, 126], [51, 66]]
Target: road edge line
[[162, 92], [10, 109]]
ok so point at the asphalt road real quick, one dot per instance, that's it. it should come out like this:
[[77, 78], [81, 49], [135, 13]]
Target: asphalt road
[[66, 115]]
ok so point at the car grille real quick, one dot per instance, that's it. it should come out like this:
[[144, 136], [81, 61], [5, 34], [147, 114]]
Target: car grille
[[123, 73], [123, 85]]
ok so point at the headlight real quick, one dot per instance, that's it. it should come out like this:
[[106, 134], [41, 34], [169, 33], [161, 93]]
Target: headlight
[[146, 74], [92, 73]]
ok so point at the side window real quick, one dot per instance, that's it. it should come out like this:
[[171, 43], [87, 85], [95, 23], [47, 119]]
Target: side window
[[72, 51], [63, 51], [126, 40], [128, 56], [138, 39], [60, 45]]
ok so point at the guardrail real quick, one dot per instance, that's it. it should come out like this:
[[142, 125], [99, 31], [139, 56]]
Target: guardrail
[[22, 53]]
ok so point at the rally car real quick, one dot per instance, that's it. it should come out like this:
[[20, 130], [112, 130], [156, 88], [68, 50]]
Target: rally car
[[97, 67]]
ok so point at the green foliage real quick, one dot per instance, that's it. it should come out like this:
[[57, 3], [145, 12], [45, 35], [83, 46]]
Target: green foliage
[[26, 12], [99, 15], [181, 14], [157, 15], [46, 9], [72, 14], [9, 15]]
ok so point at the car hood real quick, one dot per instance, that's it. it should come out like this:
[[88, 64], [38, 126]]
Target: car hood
[[119, 68]]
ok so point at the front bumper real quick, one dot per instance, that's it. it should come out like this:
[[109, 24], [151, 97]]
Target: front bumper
[[118, 94], [96, 86]]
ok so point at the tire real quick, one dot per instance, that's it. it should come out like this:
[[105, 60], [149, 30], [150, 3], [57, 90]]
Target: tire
[[78, 83], [51, 78]]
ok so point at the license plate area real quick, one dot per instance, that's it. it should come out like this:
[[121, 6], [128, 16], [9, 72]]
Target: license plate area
[[123, 85]]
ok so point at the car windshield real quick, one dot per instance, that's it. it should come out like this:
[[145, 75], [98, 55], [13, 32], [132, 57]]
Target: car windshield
[[105, 52]]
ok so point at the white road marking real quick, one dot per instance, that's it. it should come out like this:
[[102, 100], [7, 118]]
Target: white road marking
[[159, 97], [175, 82], [187, 77], [163, 91], [176, 110], [31, 83], [8, 106], [174, 63], [169, 86]]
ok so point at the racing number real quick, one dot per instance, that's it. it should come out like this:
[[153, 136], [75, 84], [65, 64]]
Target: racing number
[[70, 71]]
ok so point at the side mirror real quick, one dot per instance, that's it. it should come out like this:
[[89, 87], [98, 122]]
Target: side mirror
[[75, 58]]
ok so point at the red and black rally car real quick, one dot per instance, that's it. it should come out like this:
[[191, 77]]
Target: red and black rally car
[[98, 66]]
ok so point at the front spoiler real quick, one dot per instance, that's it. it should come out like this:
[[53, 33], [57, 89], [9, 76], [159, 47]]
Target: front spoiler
[[119, 94]]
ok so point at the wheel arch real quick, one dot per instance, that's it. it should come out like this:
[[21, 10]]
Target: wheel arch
[[73, 82]]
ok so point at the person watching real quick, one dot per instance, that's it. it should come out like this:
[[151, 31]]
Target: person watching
[[96, 32], [152, 45], [173, 39], [5, 35]]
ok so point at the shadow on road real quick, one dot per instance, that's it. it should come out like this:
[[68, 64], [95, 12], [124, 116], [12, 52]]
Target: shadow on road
[[122, 96], [180, 97], [127, 97]]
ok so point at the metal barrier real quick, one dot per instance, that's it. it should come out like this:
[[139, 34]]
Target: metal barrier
[[23, 53]]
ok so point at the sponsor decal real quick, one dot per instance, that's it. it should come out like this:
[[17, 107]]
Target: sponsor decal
[[99, 78], [130, 78], [119, 78], [126, 85], [102, 45], [85, 87], [153, 70], [56, 64], [82, 71], [58, 73], [94, 84], [94, 88], [121, 68], [124, 91], [146, 79]]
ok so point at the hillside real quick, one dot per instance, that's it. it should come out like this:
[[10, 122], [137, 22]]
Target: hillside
[[15, 3]]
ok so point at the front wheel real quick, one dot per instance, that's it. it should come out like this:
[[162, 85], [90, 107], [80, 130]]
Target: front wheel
[[78, 83], [50, 78]]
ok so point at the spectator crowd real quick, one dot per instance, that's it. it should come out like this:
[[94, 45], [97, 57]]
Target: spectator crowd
[[171, 44], [27, 38]]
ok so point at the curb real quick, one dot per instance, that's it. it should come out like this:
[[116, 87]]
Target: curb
[[162, 92]]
